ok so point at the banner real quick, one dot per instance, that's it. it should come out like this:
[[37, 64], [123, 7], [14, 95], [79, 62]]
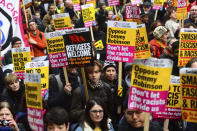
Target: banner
[[27, 3], [187, 45], [76, 5], [173, 107], [158, 4], [120, 42], [10, 23], [56, 50], [188, 79], [113, 2], [34, 101], [41, 67], [132, 12], [62, 21], [181, 9], [78, 47], [142, 49], [150, 84], [88, 14], [20, 57]]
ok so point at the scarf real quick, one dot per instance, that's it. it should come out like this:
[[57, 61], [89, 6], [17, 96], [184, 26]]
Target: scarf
[[97, 85]]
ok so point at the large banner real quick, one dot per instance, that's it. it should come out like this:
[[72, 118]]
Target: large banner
[[20, 57], [149, 84], [34, 101], [10, 23], [121, 41], [187, 45], [188, 79], [142, 49], [173, 107], [41, 67]]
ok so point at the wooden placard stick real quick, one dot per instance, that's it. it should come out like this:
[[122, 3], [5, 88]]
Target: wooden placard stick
[[84, 83], [155, 18], [115, 10], [77, 14], [65, 75], [147, 122], [120, 84], [182, 22], [166, 123]]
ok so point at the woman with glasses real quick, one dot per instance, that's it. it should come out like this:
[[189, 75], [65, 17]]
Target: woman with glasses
[[95, 117]]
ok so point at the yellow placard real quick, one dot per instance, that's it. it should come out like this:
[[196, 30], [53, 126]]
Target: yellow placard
[[174, 96], [158, 2], [44, 72], [55, 45], [152, 79], [189, 97], [33, 95], [142, 49], [99, 44], [19, 60], [88, 14], [91, 1], [62, 23], [62, 9], [120, 36], [76, 2], [181, 9], [187, 47]]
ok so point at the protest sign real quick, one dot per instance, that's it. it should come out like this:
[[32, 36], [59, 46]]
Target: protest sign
[[78, 47], [187, 45], [99, 45], [62, 7], [41, 67], [150, 84], [132, 12], [34, 101], [62, 21], [76, 5], [158, 4], [181, 9], [56, 51], [91, 2], [20, 57], [136, 2], [113, 2], [88, 14], [188, 80], [27, 3], [120, 42], [142, 49], [173, 107]]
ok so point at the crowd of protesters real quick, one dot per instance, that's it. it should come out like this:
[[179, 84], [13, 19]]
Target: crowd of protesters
[[66, 106]]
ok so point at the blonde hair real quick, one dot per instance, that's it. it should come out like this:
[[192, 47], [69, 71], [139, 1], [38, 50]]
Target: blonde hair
[[10, 78]]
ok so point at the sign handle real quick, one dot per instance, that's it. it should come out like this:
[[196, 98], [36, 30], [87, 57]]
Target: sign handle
[[65, 75], [155, 18], [115, 10], [183, 21], [119, 84], [146, 122], [77, 14], [166, 122], [92, 34], [84, 83]]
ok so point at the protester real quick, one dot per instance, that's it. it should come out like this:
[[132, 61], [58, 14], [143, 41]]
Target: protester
[[57, 119], [95, 117], [38, 21], [159, 42], [36, 40], [193, 15], [154, 25], [47, 18], [16, 42]]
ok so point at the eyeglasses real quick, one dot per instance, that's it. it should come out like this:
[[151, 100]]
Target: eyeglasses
[[96, 111]]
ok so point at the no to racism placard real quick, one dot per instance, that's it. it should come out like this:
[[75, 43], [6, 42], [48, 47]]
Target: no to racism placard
[[120, 42], [62, 21], [188, 79], [88, 14], [20, 57], [41, 67], [173, 107], [56, 50], [149, 84], [34, 101], [187, 45], [142, 49]]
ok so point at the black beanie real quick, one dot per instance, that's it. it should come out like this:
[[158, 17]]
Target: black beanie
[[15, 39]]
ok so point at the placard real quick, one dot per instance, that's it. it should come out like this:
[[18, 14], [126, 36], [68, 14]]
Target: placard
[[188, 79], [187, 45], [27, 3], [113, 2], [62, 21], [150, 84], [181, 9], [20, 57], [76, 5], [158, 4], [99, 45], [120, 42], [132, 12], [88, 14]]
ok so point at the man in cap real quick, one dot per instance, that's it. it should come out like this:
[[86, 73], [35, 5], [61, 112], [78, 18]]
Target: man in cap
[[16, 42], [36, 40], [159, 42]]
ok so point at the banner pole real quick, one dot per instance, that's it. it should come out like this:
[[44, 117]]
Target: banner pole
[[183, 21], [146, 122], [119, 84], [65, 75], [92, 34], [155, 15], [84, 83], [115, 10], [166, 122]]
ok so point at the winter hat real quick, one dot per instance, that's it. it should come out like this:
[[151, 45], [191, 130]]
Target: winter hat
[[108, 64], [159, 31]]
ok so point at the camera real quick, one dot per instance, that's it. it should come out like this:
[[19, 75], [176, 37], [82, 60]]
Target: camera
[[4, 123]]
